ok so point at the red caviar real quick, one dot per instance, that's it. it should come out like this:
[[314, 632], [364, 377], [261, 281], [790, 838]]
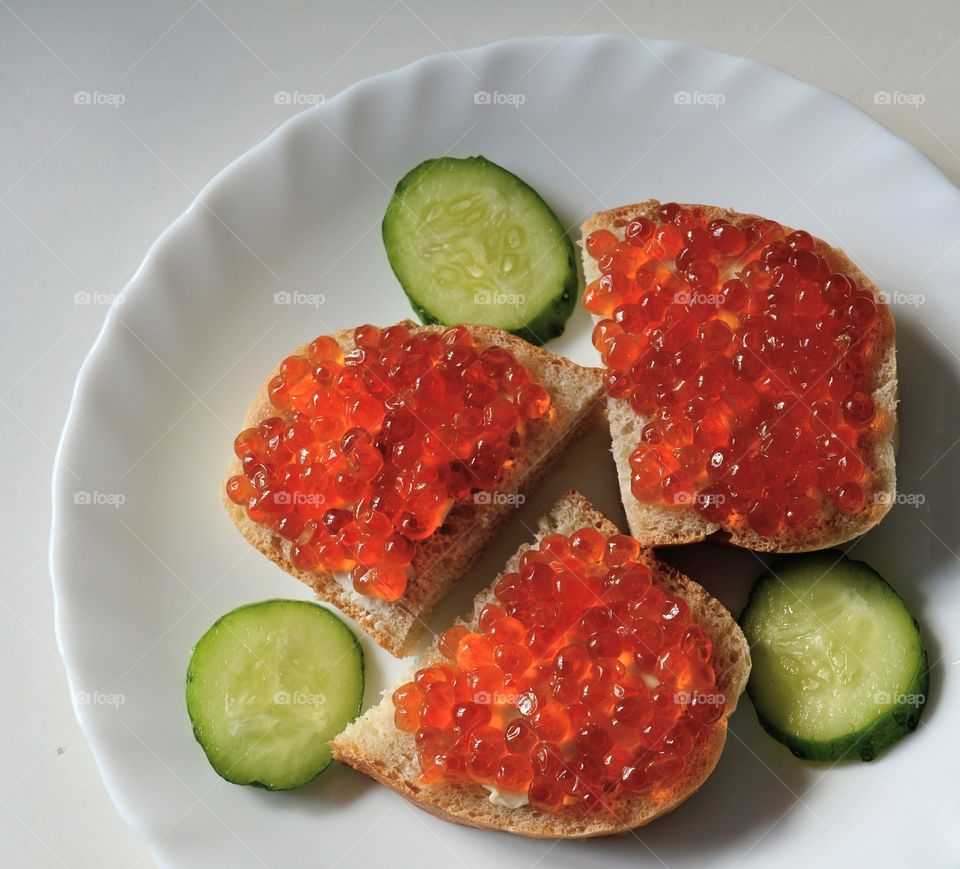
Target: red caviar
[[751, 358], [370, 448], [583, 681]]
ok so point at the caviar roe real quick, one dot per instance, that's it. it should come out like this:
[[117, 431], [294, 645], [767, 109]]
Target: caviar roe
[[370, 448], [751, 358], [583, 682]]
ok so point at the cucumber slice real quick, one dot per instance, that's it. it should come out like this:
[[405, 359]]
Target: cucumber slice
[[839, 670], [472, 243], [268, 686]]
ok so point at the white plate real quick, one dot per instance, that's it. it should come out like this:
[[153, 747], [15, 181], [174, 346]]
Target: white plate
[[600, 121]]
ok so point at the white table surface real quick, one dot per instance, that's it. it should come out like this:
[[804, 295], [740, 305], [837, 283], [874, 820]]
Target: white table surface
[[178, 89]]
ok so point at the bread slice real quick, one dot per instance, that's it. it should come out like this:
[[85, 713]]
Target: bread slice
[[373, 745], [662, 525], [576, 395]]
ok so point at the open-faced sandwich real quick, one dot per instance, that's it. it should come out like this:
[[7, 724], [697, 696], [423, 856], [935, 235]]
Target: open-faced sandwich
[[586, 694], [752, 378], [375, 464]]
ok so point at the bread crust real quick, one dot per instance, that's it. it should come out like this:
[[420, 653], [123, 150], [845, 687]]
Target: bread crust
[[577, 399], [658, 525], [373, 745]]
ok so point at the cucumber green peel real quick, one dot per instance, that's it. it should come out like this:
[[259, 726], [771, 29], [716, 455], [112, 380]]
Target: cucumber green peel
[[839, 669], [471, 242], [268, 686]]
